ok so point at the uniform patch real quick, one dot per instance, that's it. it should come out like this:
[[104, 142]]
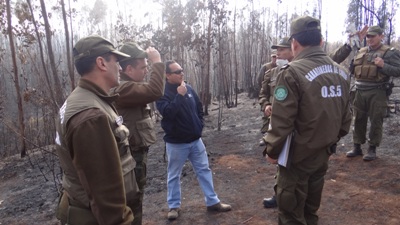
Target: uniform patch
[[280, 93]]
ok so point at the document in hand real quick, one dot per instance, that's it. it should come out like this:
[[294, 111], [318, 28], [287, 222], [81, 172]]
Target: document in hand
[[284, 156]]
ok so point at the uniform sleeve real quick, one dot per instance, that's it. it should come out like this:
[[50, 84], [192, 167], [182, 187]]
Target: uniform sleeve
[[265, 91], [261, 74], [391, 65], [135, 94], [341, 53], [96, 158], [284, 112]]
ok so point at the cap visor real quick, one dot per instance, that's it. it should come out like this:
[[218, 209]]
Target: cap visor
[[121, 55], [142, 55], [279, 46]]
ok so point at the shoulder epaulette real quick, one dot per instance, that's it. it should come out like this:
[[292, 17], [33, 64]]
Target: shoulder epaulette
[[285, 66]]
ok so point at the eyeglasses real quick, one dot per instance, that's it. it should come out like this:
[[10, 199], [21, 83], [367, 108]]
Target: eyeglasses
[[371, 36], [177, 72]]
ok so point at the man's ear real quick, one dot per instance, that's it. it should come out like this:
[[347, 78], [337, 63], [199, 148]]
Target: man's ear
[[100, 63], [295, 45]]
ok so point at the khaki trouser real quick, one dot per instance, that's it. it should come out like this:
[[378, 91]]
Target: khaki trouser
[[370, 104], [299, 190], [136, 204], [265, 125]]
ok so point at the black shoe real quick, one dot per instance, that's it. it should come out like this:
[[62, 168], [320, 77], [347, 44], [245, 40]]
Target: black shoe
[[371, 155], [355, 152], [270, 202]]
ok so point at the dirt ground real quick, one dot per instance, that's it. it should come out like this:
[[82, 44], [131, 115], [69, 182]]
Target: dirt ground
[[355, 192]]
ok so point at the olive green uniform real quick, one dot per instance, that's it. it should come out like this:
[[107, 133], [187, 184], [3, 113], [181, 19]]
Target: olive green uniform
[[371, 86], [311, 99], [132, 104], [98, 169], [263, 98], [269, 82], [341, 53]]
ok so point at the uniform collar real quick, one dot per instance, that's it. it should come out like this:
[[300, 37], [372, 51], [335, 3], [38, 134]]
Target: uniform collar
[[310, 52], [124, 77], [90, 86], [370, 49]]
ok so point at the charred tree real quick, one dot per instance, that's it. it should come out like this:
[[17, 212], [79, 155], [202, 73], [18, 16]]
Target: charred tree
[[16, 82]]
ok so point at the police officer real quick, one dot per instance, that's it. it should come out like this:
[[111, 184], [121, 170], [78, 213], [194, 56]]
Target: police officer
[[265, 68], [260, 79], [92, 143], [311, 101], [132, 104], [284, 54], [373, 66]]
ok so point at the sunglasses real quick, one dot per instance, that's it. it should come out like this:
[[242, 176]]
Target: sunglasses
[[177, 72]]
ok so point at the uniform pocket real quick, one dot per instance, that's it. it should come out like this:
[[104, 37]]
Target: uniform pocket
[[70, 214], [371, 72], [286, 199], [358, 61], [145, 131], [128, 166]]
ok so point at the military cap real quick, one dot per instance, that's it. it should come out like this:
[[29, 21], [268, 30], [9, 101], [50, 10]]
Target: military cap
[[374, 30], [134, 50], [283, 43], [93, 46], [304, 23]]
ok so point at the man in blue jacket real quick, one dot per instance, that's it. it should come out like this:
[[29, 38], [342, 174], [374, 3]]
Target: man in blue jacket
[[183, 123]]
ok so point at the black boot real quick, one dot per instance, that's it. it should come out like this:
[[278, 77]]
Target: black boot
[[371, 155], [270, 202], [355, 152]]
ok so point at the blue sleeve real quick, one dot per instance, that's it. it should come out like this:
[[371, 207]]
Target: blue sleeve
[[199, 105], [169, 108]]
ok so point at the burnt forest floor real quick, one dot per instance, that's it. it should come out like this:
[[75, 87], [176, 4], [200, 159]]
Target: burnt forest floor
[[355, 192]]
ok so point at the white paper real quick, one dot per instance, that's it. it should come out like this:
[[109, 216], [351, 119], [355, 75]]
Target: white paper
[[284, 155]]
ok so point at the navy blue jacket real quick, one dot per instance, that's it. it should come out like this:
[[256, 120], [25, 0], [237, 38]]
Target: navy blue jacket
[[182, 115]]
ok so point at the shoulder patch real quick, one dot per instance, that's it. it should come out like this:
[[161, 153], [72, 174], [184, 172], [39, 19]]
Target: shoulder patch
[[280, 93]]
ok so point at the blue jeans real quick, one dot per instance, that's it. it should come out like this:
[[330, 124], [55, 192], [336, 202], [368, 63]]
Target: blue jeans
[[196, 153]]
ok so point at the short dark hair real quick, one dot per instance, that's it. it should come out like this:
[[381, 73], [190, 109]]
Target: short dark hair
[[127, 62], [309, 38], [87, 65], [167, 63]]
